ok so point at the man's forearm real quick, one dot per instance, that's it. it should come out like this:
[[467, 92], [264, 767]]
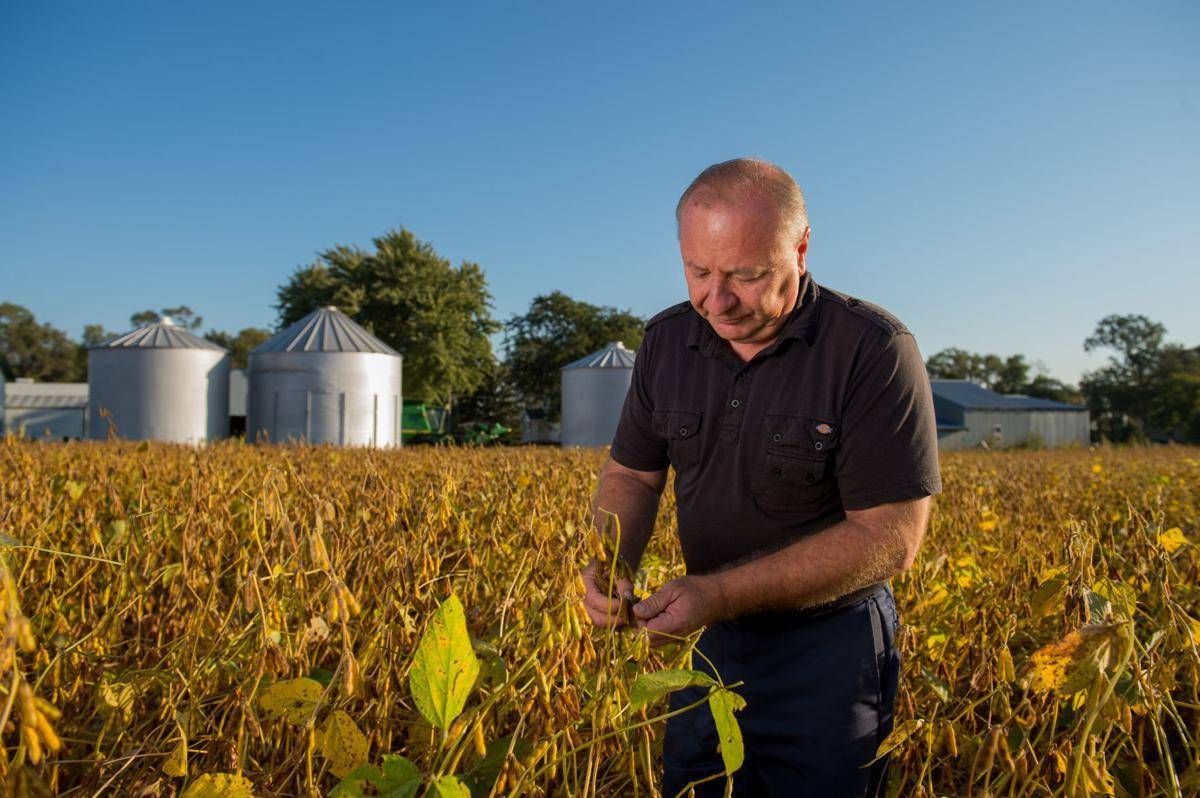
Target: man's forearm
[[814, 570], [636, 506]]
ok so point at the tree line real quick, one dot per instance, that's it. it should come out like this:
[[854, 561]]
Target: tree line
[[439, 316]]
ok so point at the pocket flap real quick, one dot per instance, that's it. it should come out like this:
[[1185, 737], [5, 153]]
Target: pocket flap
[[810, 432], [677, 424], [782, 467]]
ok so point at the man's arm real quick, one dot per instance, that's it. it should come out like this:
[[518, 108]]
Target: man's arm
[[633, 497], [871, 545]]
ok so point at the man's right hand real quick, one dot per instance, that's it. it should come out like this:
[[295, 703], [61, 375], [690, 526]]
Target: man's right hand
[[604, 610]]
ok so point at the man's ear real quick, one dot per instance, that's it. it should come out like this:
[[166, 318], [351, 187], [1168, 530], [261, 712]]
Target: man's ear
[[802, 249]]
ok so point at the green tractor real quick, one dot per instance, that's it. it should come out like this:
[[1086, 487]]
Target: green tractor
[[423, 422]]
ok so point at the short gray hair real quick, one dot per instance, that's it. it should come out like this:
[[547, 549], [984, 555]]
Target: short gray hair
[[732, 182]]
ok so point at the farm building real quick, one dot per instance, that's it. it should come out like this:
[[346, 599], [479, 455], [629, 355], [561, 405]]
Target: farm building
[[593, 391], [536, 427], [969, 415], [325, 379], [239, 400], [46, 410], [159, 382]]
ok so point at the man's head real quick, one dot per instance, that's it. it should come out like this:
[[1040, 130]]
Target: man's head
[[743, 235]]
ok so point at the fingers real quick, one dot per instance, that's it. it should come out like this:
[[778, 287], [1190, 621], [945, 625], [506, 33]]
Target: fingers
[[602, 609], [655, 604], [605, 620]]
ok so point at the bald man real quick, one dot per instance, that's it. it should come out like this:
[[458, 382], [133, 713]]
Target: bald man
[[800, 425]]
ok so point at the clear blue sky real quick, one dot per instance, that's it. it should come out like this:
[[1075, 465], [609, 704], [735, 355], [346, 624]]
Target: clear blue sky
[[999, 177]]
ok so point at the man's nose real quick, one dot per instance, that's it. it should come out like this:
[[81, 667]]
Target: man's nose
[[720, 299]]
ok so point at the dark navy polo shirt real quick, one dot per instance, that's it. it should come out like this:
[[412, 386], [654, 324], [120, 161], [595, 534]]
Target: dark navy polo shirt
[[836, 414]]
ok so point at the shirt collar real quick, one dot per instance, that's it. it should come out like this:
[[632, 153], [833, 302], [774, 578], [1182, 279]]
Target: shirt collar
[[801, 322]]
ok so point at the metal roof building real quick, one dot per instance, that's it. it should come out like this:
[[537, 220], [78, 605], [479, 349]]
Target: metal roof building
[[158, 382], [44, 410], [593, 391], [969, 415], [325, 379]]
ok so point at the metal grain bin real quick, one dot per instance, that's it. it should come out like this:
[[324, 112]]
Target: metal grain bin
[[593, 390], [159, 382], [325, 379]]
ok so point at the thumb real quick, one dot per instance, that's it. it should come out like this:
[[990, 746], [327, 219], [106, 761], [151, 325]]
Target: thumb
[[653, 605]]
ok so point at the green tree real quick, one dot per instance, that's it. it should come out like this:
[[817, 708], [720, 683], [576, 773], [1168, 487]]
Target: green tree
[[92, 334], [1044, 386], [959, 364], [1148, 386], [181, 316], [555, 331], [1003, 375], [495, 401], [239, 345], [438, 316], [38, 351]]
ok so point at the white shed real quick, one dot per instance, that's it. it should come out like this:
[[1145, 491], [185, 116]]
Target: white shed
[[45, 410]]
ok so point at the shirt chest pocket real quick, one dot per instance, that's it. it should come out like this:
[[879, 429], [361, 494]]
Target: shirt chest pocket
[[681, 429], [795, 464]]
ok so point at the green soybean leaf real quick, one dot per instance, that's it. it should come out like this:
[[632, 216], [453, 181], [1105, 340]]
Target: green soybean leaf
[[650, 687], [483, 774], [723, 703], [398, 779], [450, 787], [445, 667]]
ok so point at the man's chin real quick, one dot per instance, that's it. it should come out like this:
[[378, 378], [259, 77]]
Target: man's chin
[[736, 332]]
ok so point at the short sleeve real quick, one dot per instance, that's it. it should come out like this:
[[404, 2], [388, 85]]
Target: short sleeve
[[888, 446], [635, 445]]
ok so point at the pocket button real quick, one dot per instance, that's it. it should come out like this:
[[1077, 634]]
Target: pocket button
[[777, 437]]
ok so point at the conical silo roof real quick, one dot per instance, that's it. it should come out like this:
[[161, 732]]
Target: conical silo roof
[[613, 356], [162, 334], [326, 329]]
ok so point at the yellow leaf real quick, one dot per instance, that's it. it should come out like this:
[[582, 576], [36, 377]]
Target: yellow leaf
[[1122, 597], [1194, 629], [1172, 539], [899, 734], [342, 744], [176, 763], [219, 785], [1097, 468], [118, 696], [1097, 780], [989, 521], [293, 699], [1067, 666]]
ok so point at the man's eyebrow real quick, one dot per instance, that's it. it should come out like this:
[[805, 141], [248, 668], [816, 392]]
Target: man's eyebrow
[[752, 269]]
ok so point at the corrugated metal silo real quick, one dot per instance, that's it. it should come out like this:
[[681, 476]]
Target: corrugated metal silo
[[325, 379], [593, 390], [160, 383]]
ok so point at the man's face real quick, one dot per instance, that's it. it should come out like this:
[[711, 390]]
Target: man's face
[[743, 274]]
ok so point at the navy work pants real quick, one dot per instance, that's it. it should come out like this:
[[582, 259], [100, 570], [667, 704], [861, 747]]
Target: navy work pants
[[819, 692]]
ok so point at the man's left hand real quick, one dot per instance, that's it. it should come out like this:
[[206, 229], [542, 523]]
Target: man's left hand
[[681, 607]]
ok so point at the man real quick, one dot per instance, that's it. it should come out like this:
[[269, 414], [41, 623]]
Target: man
[[801, 428]]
